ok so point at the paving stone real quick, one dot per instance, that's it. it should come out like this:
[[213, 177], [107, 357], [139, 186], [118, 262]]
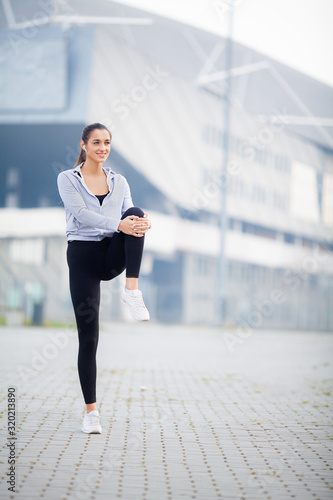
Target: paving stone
[[182, 416]]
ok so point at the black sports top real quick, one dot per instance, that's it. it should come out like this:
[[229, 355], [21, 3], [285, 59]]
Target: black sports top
[[101, 197]]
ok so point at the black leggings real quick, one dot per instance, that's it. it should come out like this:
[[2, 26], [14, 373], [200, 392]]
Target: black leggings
[[90, 262]]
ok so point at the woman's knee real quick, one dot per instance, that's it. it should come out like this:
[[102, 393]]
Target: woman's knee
[[133, 211]]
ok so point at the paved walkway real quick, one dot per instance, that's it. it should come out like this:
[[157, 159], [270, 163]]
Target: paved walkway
[[187, 413]]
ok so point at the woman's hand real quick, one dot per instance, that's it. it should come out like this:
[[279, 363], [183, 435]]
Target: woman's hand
[[148, 220], [134, 225]]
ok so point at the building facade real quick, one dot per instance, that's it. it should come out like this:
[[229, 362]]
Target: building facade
[[235, 171]]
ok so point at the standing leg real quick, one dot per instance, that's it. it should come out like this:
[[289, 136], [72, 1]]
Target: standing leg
[[85, 294]]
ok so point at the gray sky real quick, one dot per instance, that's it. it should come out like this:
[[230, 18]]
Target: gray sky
[[297, 33]]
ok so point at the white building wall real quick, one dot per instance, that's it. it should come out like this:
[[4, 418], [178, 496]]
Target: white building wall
[[170, 235], [304, 202], [328, 199]]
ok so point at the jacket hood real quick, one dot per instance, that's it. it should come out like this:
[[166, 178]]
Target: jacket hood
[[106, 169]]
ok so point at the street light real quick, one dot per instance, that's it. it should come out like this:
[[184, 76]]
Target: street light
[[222, 263]]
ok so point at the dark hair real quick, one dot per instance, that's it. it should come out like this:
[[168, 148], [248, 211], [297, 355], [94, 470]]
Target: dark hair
[[85, 137]]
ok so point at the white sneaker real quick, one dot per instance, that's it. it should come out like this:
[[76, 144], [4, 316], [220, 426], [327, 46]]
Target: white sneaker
[[91, 423], [134, 301]]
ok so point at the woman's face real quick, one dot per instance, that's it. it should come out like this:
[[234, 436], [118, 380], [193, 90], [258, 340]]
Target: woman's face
[[98, 145]]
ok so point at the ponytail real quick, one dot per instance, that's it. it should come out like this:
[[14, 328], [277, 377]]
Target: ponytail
[[85, 137], [81, 158]]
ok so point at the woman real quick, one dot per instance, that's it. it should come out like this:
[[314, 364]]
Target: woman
[[105, 234]]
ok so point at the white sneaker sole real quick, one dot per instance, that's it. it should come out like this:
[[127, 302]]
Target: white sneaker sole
[[96, 430]]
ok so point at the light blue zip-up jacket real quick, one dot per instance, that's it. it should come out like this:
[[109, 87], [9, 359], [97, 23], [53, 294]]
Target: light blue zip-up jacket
[[86, 219]]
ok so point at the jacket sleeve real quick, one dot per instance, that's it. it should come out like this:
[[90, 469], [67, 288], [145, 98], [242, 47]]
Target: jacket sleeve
[[127, 203], [74, 202]]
